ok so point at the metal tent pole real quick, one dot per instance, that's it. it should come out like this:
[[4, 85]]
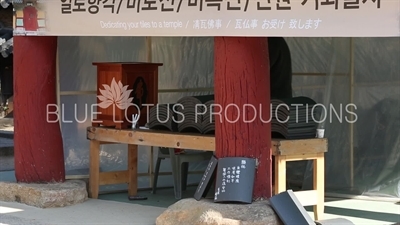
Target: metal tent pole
[[149, 57], [58, 88], [351, 115]]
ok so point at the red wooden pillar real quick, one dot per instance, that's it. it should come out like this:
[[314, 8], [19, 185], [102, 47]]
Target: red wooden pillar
[[38, 148], [241, 73]]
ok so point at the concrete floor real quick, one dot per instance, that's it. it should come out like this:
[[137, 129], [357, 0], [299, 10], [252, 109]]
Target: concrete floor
[[362, 212], [116, 209], [93, 212], [358, 211]]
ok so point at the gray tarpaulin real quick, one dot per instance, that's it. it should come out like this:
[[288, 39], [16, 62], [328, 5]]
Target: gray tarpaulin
[[188, 63]]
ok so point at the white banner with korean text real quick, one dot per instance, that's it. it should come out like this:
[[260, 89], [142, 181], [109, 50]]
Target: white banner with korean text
[[289, 18]]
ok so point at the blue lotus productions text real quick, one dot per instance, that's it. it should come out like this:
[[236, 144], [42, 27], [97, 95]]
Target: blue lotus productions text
[[230, 113]]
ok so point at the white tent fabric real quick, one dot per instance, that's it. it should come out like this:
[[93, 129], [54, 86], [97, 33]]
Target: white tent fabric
[[370, 168], [299, 18]]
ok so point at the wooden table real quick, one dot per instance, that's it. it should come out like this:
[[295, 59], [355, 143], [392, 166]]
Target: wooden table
[[282, 150]]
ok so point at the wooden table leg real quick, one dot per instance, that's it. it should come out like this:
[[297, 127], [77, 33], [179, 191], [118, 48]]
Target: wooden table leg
[[319, 185], [94, 169], [132, 169], [175, 173], [280, 174]]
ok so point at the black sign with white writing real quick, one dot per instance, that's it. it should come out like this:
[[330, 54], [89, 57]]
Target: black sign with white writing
[[207, 179], [235, 180]]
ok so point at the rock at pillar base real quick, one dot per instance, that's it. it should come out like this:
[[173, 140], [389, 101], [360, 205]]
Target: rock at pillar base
[[49, 195], [206, 212]]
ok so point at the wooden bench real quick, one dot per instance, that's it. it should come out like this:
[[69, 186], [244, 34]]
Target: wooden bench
[[282, 150]]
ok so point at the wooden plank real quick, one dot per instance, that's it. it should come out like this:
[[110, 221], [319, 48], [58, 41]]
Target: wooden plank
[[152, 138], [301, 146], [310, 156], [196, 141], [108, 143], [319, 185], [307, 198], [113, 177], [132, 169], [280, 174], [94, 169], [78, 177]]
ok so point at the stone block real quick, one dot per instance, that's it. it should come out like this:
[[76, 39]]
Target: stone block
[[49, 195]]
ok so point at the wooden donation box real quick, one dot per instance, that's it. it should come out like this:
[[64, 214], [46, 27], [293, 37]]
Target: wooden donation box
[[124, 89]]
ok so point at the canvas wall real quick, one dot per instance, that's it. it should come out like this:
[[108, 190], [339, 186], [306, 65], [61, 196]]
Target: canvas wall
[[322, 66]]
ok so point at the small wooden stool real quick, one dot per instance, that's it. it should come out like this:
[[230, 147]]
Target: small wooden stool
[[297, 150]]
